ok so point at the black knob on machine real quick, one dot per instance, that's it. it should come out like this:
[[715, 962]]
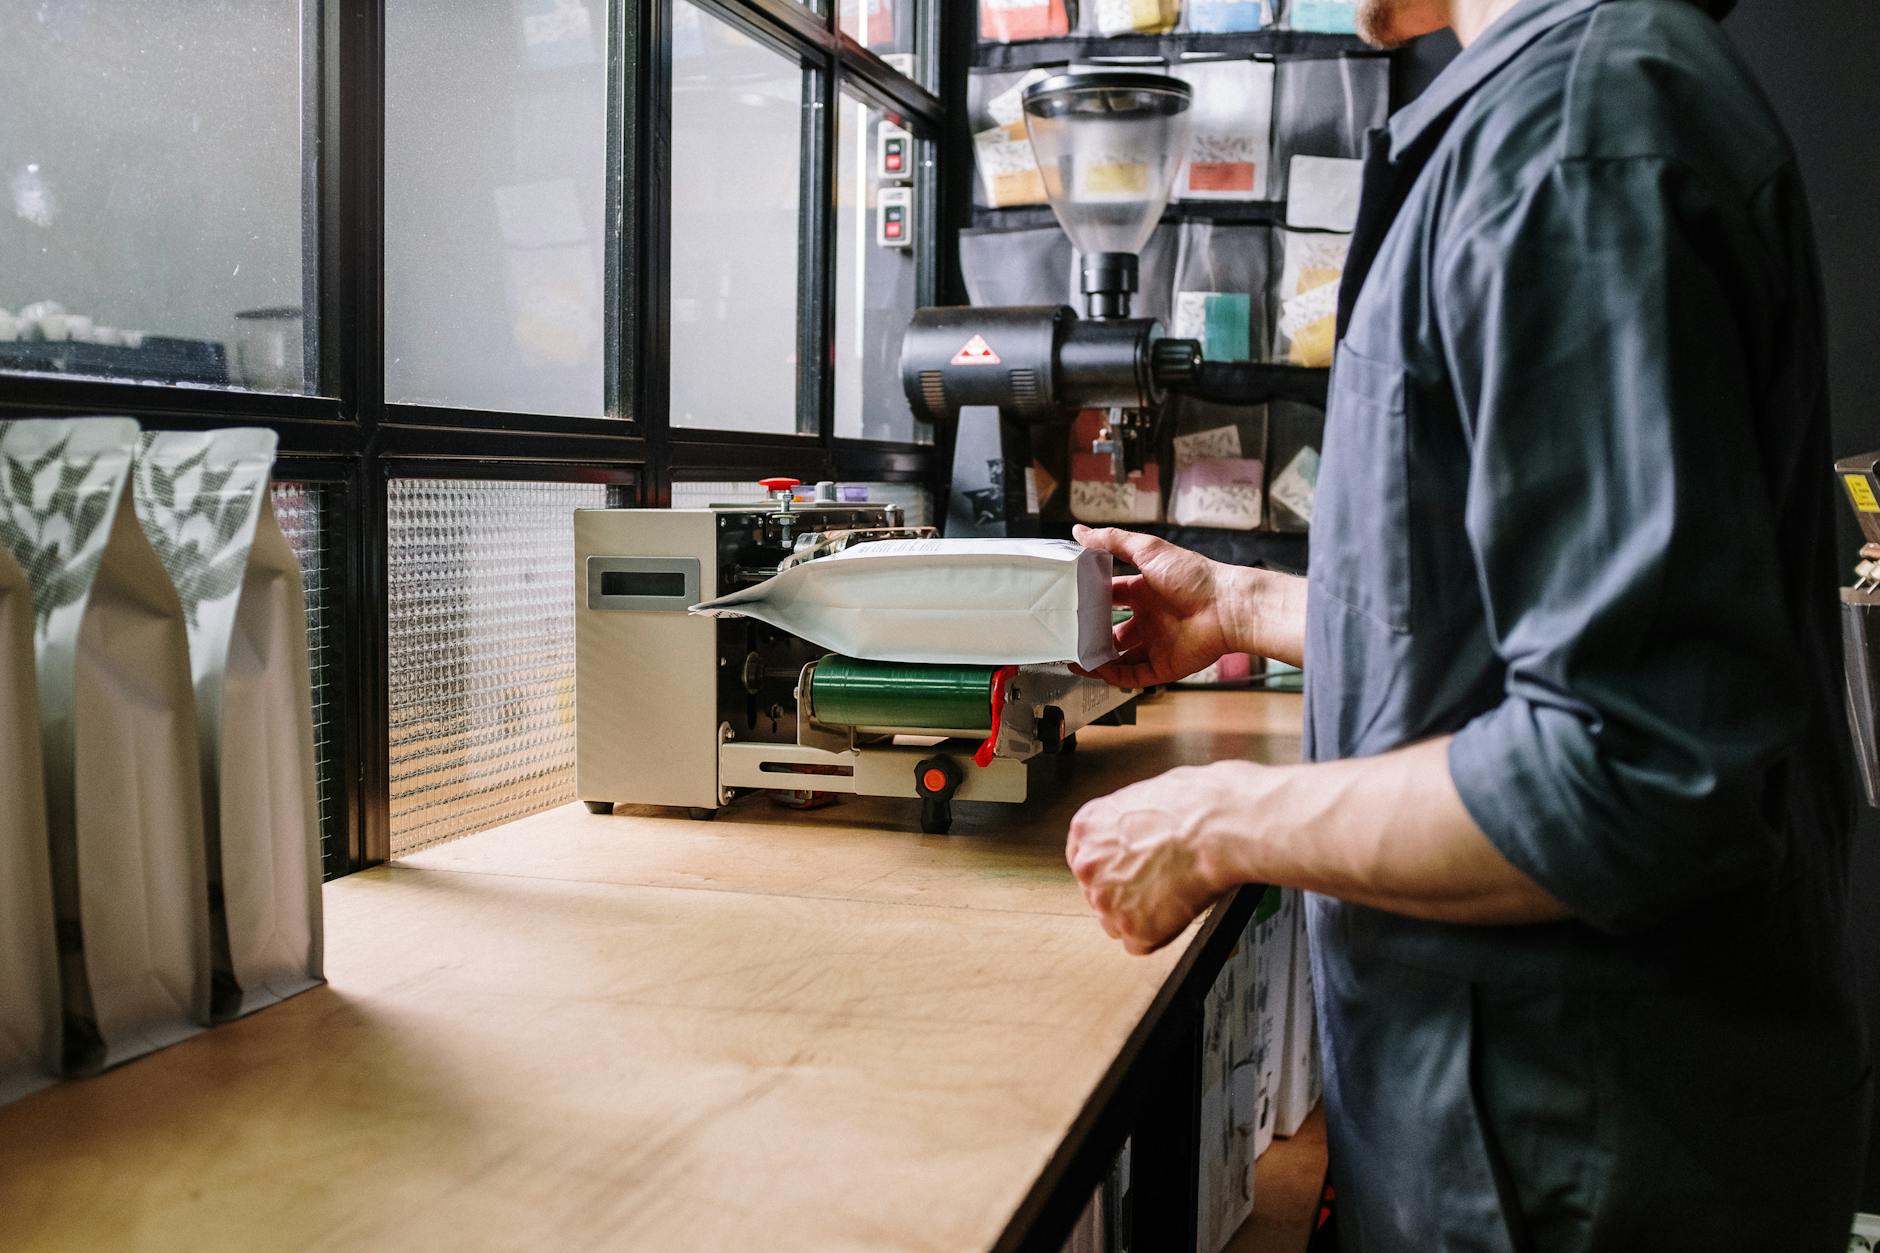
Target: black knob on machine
[[1175, 362]]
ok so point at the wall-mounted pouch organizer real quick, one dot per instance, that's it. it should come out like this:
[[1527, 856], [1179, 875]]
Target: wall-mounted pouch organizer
[[1331, 17], [118, 733], [1219, 455], [1859, 478], [29, 963], [1130, 17], [1295, 434], [1031, 265], [1223, 273], [1305, 301], [1097, 498], [1230, 143], [1324, 107], [1011, 21], [1227, 17], [204, 501], [1860, 638], [1008, 169]]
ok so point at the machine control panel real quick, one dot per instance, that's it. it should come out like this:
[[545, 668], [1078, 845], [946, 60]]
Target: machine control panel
[[894, 153], [894, 217]]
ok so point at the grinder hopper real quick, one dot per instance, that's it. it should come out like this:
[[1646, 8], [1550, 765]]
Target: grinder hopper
[[1109, 146]]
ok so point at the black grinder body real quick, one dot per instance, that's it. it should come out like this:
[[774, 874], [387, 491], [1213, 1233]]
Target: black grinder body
[[1037, 363]]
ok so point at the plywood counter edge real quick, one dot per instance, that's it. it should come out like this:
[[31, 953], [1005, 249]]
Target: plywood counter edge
[[1043, 1221]]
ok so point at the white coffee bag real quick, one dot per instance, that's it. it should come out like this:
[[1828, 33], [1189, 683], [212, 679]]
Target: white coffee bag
[[982, 602], [204, 501], [118, 732], [29, 964]]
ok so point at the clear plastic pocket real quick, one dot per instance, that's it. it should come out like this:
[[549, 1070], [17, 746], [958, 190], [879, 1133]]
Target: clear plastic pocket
[[1860, 634]]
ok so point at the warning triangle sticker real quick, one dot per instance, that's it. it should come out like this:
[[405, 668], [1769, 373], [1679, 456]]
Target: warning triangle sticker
[[976, 352]]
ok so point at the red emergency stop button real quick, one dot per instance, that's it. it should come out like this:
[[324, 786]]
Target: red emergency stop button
[[779, 485]]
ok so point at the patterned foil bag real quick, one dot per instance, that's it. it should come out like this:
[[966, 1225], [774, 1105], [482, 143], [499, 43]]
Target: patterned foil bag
[[205, 504], [29, 966], [117, 730], [1230, 145]]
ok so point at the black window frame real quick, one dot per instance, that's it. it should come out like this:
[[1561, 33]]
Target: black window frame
[[347, 438]]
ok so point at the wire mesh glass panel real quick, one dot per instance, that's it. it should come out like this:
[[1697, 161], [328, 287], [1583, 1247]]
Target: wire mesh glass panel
[[481, 652], [304, 510]]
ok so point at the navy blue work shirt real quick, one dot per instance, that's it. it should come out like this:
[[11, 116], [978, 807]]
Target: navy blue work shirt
[[1575, 510]]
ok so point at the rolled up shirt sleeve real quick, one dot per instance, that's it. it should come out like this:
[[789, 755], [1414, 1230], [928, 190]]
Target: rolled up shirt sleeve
[[1598, 327]]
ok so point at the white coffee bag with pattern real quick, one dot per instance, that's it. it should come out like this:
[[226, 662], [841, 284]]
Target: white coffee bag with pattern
[[204, 501], [117, 729], [29, 966]]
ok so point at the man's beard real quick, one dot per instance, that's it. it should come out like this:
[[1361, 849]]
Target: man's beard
[[1379, 22]]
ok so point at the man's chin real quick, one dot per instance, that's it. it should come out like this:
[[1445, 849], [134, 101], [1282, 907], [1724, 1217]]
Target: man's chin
[[1381, 24]]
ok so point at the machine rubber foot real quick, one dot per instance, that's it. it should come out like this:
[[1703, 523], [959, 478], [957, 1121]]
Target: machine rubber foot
[[936, 817], [698, 813], [599, 807]]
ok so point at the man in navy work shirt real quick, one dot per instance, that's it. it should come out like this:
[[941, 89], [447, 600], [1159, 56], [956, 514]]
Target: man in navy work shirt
[[1576, 815]]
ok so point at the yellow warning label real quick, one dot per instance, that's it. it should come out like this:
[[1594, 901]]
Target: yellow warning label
[[1862, 493]]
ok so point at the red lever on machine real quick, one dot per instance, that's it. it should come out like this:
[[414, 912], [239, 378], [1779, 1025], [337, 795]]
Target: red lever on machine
[[1000, 678]]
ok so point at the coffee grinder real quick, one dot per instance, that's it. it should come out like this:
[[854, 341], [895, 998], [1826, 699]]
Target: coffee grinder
[[1109, 146]]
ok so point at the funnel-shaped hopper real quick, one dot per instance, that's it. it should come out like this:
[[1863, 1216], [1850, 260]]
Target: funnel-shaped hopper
[[1109, 146]]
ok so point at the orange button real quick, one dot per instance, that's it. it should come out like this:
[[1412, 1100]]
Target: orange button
[[935, 780]]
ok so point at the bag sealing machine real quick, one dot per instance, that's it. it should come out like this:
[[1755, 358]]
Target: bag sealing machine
[[777, 713]]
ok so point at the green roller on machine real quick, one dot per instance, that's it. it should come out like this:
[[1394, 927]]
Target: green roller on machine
[[844, 692]]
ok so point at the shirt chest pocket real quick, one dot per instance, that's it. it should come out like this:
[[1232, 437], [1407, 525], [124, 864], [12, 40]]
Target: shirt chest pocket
[[1360, 525]]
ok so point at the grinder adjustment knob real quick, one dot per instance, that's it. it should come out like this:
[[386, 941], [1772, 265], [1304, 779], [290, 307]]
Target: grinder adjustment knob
[[1174, 362]]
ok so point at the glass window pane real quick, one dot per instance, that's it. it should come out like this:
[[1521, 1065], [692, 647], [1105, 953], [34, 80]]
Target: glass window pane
[[496, 204], [888, 28], [152, 191], [876, 273], [305, 511], [482, 652], [737, 147]]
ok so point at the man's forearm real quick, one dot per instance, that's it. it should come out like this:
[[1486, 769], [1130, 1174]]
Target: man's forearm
[[1389, 831], [1266, 615]]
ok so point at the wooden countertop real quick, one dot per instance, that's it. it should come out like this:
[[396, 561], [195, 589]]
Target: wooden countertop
[[780, 1030]]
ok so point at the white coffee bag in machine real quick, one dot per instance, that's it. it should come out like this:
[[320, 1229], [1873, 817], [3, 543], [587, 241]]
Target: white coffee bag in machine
[[29, 967], [982, 602], [204, 501], [117, 730]]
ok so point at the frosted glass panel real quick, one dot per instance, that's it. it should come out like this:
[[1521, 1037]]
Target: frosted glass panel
[[302, 509], [888, 28], [496, 204], [482, 653], [737, 140], [876, 274], [151, 190]]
